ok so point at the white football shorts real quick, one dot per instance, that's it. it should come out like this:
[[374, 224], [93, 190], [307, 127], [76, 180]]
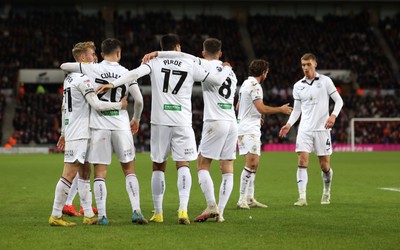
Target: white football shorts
[[179, 140], [250, 143], [317, 141], [218, 140], [103, 142], [76, 151]]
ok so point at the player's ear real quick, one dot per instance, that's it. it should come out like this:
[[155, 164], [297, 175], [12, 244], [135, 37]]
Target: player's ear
[[220, 54], [203, 53], [102, 54]]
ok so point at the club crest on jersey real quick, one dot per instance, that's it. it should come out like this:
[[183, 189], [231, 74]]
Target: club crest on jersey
[[219, 68]]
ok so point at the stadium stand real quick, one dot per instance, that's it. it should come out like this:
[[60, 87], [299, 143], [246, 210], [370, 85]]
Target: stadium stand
[[43, 39]]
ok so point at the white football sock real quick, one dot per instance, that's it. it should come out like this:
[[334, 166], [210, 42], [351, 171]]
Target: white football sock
[[100, 194], [250, 189], [327, 180], [244, 183], [225, 191], [184, 186], [60, 196], [72, 191], [85, 195], [207, 186], [132, 187], [302, 180], [157, 190]]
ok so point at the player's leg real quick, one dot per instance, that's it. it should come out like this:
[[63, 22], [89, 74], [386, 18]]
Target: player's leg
[[323, 149], [74, 156], [158, 190], [226, 187], [304, 145], [302, 177], [207, 186], [69, 208], [100, 154], [160, 147], [124, 148], [85, 194], [183, 148], [61, 193], [249, 146]]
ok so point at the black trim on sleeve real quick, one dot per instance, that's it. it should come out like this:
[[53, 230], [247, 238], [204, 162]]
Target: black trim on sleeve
[[80, 67], [205, 77], [332, 92], [88, 93], [149, 67]]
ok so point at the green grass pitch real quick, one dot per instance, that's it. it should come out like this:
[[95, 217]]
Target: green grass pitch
[[361, 215]]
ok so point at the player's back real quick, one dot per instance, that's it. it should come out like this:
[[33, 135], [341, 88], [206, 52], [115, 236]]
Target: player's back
[[76, 85], [103, 73], [218, 99], [171, 88]]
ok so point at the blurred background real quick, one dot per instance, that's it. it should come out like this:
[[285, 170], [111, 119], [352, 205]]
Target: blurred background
[[357, 43]]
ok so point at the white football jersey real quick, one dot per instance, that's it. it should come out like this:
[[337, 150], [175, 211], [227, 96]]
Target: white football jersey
[[314, 97], [171, 89], [103, 73], [218, 99], [76, 87], [248, 116]]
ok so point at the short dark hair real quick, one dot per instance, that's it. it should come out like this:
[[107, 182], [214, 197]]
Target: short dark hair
[[258, 67], [110, 45], [309, 56], [212, 45], [169, 42]]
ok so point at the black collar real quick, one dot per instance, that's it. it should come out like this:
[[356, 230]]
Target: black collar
[[305, 81]]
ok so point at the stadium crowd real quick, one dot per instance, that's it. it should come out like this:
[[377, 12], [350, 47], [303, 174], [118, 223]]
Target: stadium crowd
[[43, 39]]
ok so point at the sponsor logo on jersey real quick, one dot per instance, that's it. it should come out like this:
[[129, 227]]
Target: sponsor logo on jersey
[[66, 122], [110, 113], [225, 105], [172, 107]]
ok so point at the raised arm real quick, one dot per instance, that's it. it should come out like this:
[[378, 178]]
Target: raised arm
[[71, 67], [265, 109], [128, 77]]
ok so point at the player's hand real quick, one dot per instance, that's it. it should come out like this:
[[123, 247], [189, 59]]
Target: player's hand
[[146, 58], [330, 122], [286, 109], [61, 143], [284, 130], [261, 121], [134, 126], [226, 64], [124, 102], [104, 88]]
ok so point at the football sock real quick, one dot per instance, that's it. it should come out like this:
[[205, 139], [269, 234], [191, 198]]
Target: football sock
[[244, 182], [132, 187], [327, 180], [302, 179], [225, 191], [100, 194], [184, 185], [85, 195], [250, 189], [61, 193], [72, 191], [207, 186], [157, 190]]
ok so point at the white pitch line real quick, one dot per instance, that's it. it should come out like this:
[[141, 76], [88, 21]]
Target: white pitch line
[[391, 189]]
